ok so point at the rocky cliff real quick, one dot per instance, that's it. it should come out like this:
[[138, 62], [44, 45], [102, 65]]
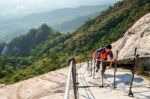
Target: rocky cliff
[[138, 36]]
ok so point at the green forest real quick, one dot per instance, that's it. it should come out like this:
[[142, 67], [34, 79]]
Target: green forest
[[43, 49]]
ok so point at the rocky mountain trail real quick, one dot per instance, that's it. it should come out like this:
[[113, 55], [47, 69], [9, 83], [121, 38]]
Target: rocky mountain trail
[[141, 86], [52, 86]]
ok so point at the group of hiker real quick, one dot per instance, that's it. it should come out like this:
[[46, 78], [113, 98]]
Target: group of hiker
[[103, 56]]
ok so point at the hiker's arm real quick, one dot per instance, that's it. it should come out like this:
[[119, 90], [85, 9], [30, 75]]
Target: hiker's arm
[[111, 59], [111, 62]]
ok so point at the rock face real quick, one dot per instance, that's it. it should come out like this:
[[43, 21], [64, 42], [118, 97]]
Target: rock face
[[137, 36], [47, 86]]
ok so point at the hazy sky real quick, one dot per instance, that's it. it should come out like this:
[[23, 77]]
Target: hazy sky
[[9, 7]]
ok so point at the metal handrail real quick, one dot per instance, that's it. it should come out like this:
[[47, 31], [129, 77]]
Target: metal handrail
[[71, 76], [68, 81], [141, 50], [135, 59]]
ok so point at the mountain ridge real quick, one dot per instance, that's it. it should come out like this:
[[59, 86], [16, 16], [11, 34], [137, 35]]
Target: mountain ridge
[[15, 27], [50, 55]]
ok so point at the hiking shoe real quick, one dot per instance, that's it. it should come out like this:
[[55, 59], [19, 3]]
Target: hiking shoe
[[97, 70], [109, 67]]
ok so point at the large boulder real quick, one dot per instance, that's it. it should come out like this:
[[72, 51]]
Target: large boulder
[[47, 86], [138, 36]]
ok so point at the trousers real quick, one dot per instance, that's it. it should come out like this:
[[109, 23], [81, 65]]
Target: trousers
[[104, 65]]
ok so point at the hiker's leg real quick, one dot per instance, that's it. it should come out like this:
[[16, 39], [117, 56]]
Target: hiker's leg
[[102, 72], [97, 65], [104, 64]]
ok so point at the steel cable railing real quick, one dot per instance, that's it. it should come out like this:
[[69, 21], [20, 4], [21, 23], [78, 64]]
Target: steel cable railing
[[135, 60], [71, 77], [72, 74], [141, 50]]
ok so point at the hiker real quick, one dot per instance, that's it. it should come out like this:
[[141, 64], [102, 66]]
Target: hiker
[[101, 55]]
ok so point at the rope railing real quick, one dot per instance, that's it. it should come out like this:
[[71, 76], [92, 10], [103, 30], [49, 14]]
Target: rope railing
[[71, 77]]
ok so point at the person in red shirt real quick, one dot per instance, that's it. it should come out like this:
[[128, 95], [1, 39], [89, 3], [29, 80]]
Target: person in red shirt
[[102, 55]]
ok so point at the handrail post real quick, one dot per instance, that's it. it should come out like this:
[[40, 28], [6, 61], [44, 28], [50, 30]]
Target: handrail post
[[115, 69], [102, 74], [133, 69], [87, 64], [74, 79], [72, 71], [94, 69], [68, 80], [91, 66]]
